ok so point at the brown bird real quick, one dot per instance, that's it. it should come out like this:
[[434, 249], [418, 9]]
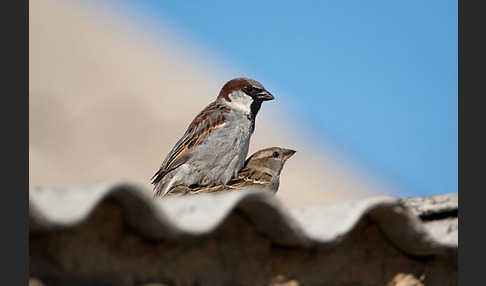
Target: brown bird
[[214, 147], [261, 171]]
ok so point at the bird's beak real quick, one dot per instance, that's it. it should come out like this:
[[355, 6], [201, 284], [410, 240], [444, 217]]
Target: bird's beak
[[287, 153], [264, 96]]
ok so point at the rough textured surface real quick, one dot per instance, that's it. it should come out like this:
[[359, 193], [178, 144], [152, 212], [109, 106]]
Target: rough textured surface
[[402, 279], [427, 207], [116, 234]]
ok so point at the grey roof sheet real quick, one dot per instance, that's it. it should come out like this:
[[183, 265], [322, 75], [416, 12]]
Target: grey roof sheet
[[401, 221]]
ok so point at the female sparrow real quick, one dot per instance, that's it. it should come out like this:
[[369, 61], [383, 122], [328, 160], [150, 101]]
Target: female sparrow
[[261, 171], [215, 145]]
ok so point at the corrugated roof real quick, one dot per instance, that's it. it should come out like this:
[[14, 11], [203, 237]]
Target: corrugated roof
[[408, 224], [117, 234]]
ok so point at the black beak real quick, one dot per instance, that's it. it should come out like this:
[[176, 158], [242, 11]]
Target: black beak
[[264, 96], [287, 153]]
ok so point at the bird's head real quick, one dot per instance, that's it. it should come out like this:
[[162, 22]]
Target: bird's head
[[245, 95], [272, 159]]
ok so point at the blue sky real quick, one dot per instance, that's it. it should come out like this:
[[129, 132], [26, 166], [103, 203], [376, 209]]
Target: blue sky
[[375, 79]]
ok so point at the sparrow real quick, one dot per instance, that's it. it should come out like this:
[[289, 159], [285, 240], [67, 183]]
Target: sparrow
[[214, 147], [261, 171]]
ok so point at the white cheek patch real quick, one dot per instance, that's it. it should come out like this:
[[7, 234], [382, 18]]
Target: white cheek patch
[[240, 101]]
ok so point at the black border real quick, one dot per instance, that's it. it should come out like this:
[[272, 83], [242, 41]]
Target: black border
[[471, 64], [14, 216]]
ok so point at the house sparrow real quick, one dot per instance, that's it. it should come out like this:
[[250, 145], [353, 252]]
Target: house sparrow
[[215, 145], [261, 171]]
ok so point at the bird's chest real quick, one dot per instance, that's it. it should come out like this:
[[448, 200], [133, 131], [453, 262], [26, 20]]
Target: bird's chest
[[237, 135], [227, 142], [229, 151]]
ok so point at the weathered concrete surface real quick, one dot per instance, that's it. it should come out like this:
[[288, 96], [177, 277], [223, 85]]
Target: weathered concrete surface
[[115, 234]]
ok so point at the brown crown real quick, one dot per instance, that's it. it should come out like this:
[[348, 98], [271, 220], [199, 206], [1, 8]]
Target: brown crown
[[232, 85]]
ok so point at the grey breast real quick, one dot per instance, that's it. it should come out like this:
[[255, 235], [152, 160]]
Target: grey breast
[[221, 155]]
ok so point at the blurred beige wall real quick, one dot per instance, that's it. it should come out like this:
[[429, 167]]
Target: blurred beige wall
[[108, 103]]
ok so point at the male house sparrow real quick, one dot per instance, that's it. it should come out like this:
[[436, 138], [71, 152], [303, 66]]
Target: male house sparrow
[[261, 171], [215, 145]]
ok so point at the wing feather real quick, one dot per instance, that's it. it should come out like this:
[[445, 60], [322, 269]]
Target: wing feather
[[246, 177], [207, 121]]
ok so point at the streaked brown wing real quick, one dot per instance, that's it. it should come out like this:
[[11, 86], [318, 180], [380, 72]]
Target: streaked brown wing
[[245, 178], [208, 120], [251, 175]]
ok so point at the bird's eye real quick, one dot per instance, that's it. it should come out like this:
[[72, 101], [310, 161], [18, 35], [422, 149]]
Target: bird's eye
[[253, 90], [248, 90], [275, 154]]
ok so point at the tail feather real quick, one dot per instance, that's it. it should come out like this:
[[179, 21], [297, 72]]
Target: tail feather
[[162, 187], [157, 177]]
